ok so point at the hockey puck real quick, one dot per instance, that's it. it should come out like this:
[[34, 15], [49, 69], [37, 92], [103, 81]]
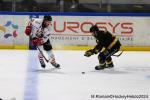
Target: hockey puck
[[83, 72]]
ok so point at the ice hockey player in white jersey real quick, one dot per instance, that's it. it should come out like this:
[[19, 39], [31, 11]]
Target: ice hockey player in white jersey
[[38, 31]]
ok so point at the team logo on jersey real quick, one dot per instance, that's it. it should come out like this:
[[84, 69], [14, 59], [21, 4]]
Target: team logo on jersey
[[9, 29]]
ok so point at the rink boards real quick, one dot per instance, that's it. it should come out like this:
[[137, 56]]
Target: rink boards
[[71, 30]]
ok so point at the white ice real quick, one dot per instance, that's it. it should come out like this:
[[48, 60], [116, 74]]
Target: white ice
[[22, 78]]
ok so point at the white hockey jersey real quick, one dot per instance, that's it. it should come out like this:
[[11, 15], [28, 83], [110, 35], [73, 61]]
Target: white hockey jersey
[[37, 30]]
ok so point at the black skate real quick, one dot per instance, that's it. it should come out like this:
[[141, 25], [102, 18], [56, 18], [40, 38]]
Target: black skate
[[111, 65], [42, 64], [55, 65], [100, 67]]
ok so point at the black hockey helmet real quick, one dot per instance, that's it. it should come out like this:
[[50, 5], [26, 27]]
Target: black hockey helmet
[[94, 29], [48, 17]]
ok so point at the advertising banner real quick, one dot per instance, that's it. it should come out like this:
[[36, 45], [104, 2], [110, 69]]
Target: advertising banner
[[12, 30], [74, 30]]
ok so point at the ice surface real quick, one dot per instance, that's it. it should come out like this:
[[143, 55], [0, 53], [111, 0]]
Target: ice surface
[[22, 78]]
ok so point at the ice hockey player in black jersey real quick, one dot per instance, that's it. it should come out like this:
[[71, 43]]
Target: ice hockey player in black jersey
[[107, 45]]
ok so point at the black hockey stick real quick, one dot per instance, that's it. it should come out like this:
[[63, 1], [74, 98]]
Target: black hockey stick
[[42, 54]]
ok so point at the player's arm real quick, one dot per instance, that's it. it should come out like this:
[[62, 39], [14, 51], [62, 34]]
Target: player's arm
[[28, 29], [90, 52], [97, 48]]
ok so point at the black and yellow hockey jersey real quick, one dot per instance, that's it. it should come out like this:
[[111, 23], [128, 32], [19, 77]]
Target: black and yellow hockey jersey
[[105, 39]]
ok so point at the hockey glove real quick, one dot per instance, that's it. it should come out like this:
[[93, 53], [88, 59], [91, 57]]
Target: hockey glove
[[28, 30], [37, 41], [89, 53]]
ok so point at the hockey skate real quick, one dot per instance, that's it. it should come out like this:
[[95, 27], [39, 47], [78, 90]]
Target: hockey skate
[[56, 65], [42, 63], [111, 65], [100, 67]]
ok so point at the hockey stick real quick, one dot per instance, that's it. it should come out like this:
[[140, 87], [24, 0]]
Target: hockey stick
[[42, 54], [118, 54]]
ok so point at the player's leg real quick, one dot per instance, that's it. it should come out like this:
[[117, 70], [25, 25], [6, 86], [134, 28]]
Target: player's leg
[[111, 51], [40, 57], [48, 48], [104, 59], [102, 64], [109, 62], [52, 59]]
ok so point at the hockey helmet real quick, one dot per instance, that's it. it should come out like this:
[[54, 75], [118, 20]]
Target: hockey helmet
[[48, 17], [94, 29]]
